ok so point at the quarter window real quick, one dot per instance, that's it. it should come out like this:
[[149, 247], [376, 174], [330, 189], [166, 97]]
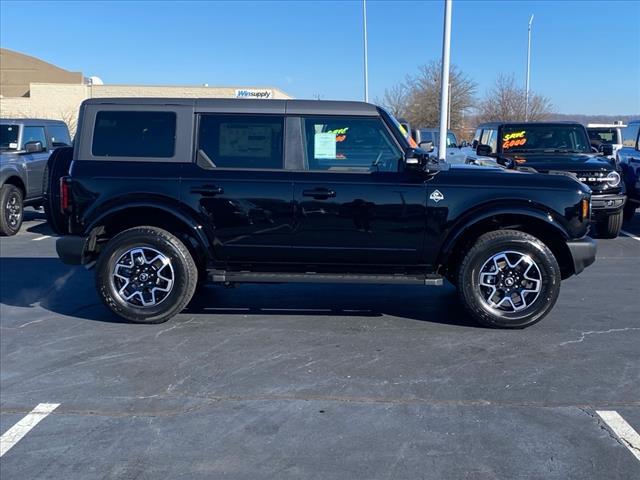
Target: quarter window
[[490, 137], [348, 144], [134, 134], [234, 141], [34, 134]]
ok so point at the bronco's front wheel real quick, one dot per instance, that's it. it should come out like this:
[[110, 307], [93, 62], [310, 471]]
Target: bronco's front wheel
[[146, 275], [509, 279]]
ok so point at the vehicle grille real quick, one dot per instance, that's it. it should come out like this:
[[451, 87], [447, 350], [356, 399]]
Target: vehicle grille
[[596, 180]]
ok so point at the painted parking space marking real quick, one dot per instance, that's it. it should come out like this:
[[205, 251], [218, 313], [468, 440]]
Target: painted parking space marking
[[622, 429], [630, 235], [20, 429], [44, 237]]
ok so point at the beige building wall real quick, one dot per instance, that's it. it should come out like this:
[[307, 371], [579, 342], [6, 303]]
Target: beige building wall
[[62, 101]]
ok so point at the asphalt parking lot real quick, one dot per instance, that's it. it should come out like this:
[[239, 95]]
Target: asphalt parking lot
[[316, 382]]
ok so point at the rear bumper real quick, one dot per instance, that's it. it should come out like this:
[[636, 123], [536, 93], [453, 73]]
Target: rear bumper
[[583, 253], [71, 249], [607, 204]]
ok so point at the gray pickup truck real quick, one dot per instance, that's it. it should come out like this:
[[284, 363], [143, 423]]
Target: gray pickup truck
[[25, 146]]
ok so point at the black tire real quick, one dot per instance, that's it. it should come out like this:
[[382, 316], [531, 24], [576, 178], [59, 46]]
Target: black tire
[[629, 211], [57, 166], [609, 227], [11, 209], [477, 261], [184, 271]]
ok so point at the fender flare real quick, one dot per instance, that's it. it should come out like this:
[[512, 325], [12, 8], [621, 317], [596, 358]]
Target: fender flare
[[483, 212]]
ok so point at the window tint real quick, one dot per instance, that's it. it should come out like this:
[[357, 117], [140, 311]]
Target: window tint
[[134, 134], [451, 140], [350, 144], [629, 134], [9, 137], [34, 134], [426, 136], [59, 136], [241, 141]]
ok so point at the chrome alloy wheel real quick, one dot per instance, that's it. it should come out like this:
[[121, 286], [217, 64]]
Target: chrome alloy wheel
[[13, 210], [509, 281], [143, 277]]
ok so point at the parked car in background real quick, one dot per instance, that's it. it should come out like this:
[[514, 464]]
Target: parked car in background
[[25, 146], [601, 134], [424, 136], [629, 162], [558, 147], [304, 191]]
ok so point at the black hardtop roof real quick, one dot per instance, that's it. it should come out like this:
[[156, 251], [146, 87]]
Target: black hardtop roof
[[31, 122], [247, 105], [500, 124]]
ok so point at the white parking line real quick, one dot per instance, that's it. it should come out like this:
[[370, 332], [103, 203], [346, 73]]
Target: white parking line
[[630, 235], [44, 237], [622, 429], [20, 429]]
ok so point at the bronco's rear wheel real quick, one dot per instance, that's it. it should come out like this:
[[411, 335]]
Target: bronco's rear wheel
[[146, 275], [509, 279]]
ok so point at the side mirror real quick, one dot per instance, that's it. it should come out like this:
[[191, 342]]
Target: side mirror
[[463, 144], [607, 149], [414, 161], [483, 150], [474, 144], [33, 147], [427, 146], [506, 162]]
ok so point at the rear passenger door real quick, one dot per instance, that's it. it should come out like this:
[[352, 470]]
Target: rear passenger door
[[353, 204], [240, 187]]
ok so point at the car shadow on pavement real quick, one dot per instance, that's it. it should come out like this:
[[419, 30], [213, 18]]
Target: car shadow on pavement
[[70, 291]]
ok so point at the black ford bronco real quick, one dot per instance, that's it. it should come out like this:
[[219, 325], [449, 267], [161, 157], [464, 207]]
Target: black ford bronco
[[559, 147], [161, 195]]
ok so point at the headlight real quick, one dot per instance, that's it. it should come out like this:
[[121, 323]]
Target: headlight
[[613, 179]]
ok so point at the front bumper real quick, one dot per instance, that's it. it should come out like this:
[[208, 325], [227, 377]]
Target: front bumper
[[607, 204], [583, 253], [71, 249]]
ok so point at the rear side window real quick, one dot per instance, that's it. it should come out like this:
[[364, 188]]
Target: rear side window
[[59, 136], [629, 135], [348, 144], [134, 134], [241, 141]]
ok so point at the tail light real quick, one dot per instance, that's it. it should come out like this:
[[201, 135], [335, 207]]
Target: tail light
[[65, 195]]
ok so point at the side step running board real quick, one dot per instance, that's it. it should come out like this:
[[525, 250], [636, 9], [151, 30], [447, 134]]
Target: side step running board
[[222, 276]]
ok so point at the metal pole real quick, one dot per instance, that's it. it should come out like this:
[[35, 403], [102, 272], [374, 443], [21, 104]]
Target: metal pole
[[444, 80], [449, 111], [366, 55], [526, 98]]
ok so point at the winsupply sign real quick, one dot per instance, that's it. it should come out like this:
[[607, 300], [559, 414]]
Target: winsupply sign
[[249, 93]]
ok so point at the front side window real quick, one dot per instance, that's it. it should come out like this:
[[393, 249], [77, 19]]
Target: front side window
[[350, 144], [34, 134], [59, 136], [490, 137], [134, 134], [241, 141], [544, 139]]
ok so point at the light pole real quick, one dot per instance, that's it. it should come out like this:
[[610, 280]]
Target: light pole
[[366, 59], [526, 95], [444, 80]]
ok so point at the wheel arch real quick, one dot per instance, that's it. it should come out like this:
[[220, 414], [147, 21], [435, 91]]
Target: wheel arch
[[15, 180], [158, 214], [538, 223]]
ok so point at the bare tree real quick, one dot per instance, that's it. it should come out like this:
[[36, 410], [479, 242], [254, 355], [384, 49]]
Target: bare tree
[[505, 101], [395, 100], [423, 103]]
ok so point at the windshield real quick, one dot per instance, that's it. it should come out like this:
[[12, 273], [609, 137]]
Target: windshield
[[544, 139], [9, 137], [598, 136], [434, 136]]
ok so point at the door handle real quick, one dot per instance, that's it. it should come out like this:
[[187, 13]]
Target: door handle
[[319, 193], [208, 190]]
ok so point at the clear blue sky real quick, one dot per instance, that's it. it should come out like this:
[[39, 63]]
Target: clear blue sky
[[585, 55]]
